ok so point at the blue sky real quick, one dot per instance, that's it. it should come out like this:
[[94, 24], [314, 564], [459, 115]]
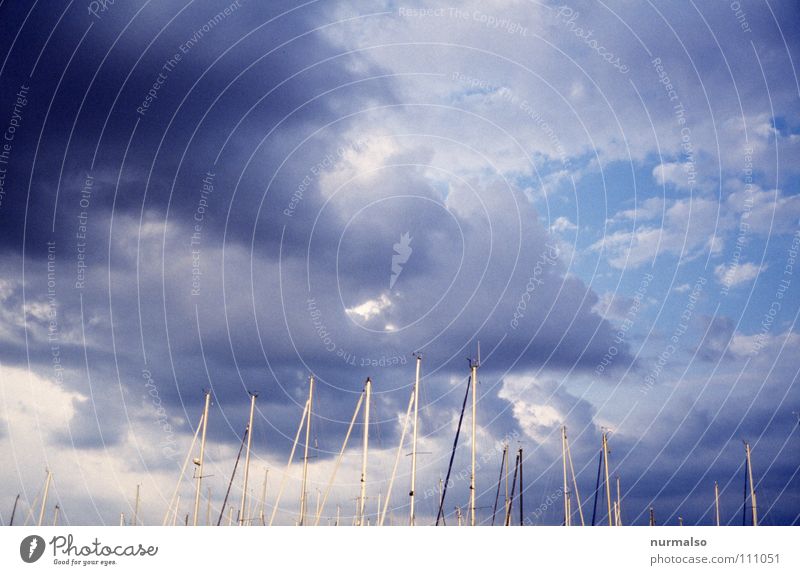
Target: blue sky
[[235, 195]]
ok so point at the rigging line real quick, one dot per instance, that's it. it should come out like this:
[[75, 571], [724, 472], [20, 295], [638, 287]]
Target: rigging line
[[510, 507], [339, 459], [289, 464], [397, 459], [183, 470], [575, 484], [499, 482], [233, 474], [744, 502], [453, 453], [597, 485], [521, 506]]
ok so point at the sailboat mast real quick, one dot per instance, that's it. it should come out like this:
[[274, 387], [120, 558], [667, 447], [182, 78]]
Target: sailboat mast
[[44, 497], [136, 506], [752, 487], [608, 485], [303, 494], [499, 484], [263, 496], [474, 375], [567, 518], [202, 456], [363, 498], [506, 501], [521, 506], [55, 514], [247, 456], [414, 442], [619, 504], [14, 510], [575, 487], [716, 502]]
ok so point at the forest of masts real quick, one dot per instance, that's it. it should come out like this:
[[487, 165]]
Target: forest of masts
[[250, 512]]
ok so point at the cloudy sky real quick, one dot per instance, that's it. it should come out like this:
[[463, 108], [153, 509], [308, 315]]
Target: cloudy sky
[[233, 196]]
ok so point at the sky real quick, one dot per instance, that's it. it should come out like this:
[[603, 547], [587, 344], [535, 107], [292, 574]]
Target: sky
[[599, 201]]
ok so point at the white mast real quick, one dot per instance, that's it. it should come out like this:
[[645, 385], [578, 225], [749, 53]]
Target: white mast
[[507, 501], [303, 494], [382, 515], [575, 486], [247, 456], [619, 505], [474, 367], [183, 471], [263, 496], [362, 500], [567, 517], [136, 507], [202, 456], [608, 485], [341, 455], [175, 515], [752, 487], [716, 502], [414, 442], [306, 408], [44, 496]]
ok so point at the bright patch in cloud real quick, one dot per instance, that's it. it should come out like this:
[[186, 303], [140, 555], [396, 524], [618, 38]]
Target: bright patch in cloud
[[737, 274], [370, 308]]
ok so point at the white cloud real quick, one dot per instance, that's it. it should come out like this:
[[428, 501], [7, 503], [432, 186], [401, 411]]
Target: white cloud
[[737, 274], [562, 224], [370, 308], [688, 225], [672, 173]]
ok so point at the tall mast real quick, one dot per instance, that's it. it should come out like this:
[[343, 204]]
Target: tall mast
[[499, 484], [247, 456], [175, 515], [414, 442], [564, 460], [233, 475], [574, 487], [363, 498], [608, 485], [44, 496], [202, 456], [303, 494], [263, 496], [474, 367], [136, 506], [752, 487], [619, 504], [506, 501], [716, 502], [521, 507], [14, 510], [440, 513]]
